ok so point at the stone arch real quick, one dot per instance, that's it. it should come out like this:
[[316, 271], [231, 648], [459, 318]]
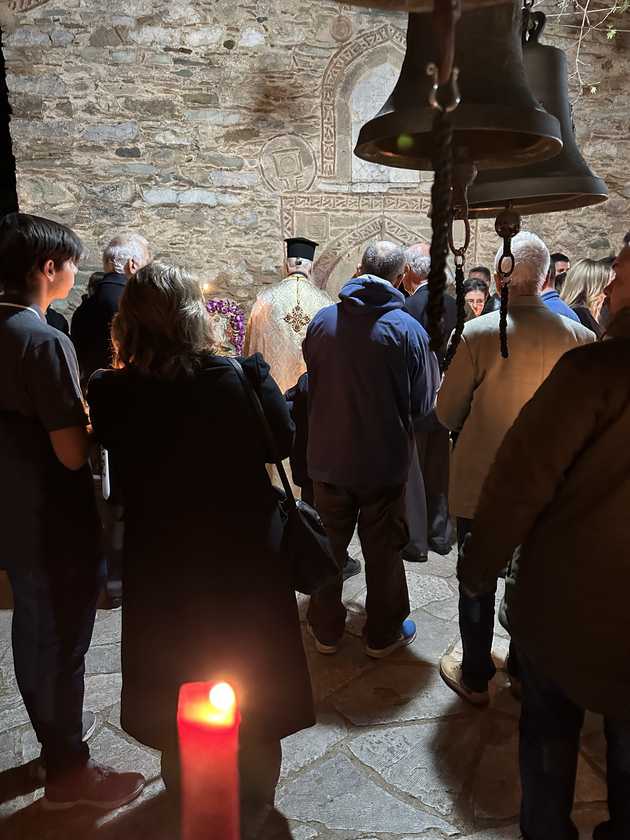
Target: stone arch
[[367, 50], [378, 227]]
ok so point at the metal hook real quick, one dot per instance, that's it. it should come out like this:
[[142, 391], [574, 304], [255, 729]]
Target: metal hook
[[454, 96]]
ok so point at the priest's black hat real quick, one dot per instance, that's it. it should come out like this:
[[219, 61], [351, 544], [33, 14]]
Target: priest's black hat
[[300, 248]]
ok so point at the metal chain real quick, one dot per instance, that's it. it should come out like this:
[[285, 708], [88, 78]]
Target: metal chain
[[443, 98], [507, 225]]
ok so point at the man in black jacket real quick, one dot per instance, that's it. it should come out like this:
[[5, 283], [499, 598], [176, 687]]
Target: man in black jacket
[[431, 438], [91, 322], [90, 332]]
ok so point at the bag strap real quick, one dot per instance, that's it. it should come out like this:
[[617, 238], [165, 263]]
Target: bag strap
[[264, 424]]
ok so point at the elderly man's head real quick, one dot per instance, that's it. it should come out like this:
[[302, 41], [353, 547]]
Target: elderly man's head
[[385, 260], [417, 267], [531, 264], [126, 254]]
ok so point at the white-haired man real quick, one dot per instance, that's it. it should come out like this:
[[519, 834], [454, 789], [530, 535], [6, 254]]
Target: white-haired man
[[481, 397], [432, 438], [91, 322]]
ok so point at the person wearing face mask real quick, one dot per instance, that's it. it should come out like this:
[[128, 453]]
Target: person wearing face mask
[[476, 296]]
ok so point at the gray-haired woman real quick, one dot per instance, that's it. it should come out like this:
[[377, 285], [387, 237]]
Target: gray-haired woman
[[206, 586]]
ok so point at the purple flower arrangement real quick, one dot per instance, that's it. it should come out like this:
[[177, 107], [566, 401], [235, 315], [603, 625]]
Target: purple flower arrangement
[[236, 320]]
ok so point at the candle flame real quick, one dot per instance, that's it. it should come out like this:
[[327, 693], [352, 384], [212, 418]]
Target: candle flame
[[222, 697]]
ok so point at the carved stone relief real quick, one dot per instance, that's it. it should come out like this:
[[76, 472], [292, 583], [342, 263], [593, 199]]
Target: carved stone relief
[[288, 163]]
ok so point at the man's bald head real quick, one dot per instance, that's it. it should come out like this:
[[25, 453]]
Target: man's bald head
[[384, 259]]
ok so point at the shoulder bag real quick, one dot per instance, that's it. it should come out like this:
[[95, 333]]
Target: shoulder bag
[[312, 561]]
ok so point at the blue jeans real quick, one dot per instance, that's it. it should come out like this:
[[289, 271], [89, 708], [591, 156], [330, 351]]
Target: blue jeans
[[549, 743], [53, 619]]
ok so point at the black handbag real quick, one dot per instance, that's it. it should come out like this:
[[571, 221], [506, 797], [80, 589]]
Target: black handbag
[[305, 541]]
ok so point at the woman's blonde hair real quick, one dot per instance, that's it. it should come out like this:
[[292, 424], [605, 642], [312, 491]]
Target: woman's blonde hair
[[585, 283], [162, 327]]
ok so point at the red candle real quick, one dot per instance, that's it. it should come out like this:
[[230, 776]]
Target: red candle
[[208, 722]]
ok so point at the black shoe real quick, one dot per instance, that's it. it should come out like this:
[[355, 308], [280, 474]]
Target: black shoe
[[351, 567], [414, 556], [37, 768], [95, 786], [440, 547]]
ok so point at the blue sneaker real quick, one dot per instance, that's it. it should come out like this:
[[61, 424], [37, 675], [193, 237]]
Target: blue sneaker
[[407, 635]]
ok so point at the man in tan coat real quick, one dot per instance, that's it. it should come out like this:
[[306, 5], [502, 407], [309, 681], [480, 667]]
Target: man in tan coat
[[481, 396], [561, 480]]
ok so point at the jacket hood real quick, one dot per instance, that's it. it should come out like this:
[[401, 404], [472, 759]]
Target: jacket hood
[[371, 295]]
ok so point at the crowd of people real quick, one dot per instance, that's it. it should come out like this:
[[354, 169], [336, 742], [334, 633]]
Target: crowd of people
[[524, 459]]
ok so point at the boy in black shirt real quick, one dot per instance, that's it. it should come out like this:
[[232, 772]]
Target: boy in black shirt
[[50, 530]]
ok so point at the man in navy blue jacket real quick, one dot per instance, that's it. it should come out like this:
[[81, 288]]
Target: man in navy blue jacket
[[371, 374]]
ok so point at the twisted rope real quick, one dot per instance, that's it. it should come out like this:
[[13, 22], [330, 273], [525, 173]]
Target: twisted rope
[[461, 317], [440, 221], [505, 296]]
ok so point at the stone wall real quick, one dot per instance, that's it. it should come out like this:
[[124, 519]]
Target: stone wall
[[218, 127]]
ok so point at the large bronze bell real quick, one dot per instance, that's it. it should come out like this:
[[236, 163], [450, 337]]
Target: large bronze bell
[[563, 183], [498, 122]]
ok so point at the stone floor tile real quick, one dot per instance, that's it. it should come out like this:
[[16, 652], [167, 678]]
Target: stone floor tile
[[397, 692], [312, 744], [107, 627], [432, 762], [12, 712], [122, 753], [103, 659], [338, 795], [102, 691], [435, 637], [447, 609], [496, 789], [303, 832], [445, 567], [328, 673], [113, 715], [505, 832]]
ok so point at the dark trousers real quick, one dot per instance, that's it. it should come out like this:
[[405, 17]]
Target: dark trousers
[[549, 742], [416, 511], [383, 533], [259, 763], [53, 619], [434, 454], [476, 626]]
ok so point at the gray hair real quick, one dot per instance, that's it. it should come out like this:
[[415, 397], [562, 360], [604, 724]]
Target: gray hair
[[531, 263], [125, 247], [418, 262], [383, 259]]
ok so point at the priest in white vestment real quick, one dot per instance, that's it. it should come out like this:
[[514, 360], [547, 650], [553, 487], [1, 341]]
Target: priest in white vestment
[[281, 314]]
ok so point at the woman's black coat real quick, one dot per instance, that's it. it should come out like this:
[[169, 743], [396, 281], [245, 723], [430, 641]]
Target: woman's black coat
[[207, 592]]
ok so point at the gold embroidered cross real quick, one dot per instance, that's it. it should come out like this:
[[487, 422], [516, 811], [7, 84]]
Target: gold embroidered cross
[[297, 318]]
